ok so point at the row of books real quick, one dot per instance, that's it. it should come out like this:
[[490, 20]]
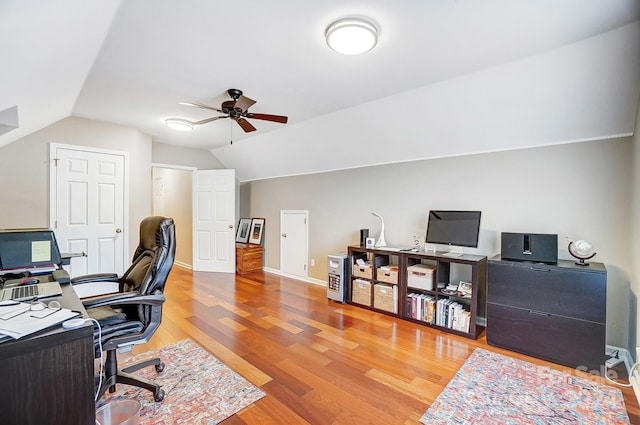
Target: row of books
[[443, 312], [421, 307]]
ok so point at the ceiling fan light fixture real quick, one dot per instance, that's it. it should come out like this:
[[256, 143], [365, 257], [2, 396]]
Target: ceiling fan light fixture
[[178, 124], [351, 36]]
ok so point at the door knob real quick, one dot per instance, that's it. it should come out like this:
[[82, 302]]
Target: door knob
[[231, 226], [118, 230], [284, 235]]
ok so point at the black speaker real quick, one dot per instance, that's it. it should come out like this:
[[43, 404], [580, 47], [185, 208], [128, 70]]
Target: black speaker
[[536, 247], [364, 234]]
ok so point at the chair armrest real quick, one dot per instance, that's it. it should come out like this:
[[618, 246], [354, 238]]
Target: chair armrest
[[96, 277], [124, 298]]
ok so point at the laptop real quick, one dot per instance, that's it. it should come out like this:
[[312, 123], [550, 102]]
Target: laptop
[[23, 255], [28, 252], [31, 291]]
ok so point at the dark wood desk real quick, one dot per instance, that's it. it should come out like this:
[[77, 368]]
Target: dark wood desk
[[48, 377]]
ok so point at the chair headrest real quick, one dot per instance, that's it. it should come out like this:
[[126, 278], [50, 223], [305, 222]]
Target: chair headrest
[[154, 232]]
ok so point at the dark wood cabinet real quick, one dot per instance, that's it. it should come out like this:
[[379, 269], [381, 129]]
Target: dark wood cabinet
[[412, 286], [553, 312], [248, 258], [48, 376]]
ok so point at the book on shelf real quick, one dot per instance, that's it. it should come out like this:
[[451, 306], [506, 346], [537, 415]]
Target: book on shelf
[[421, 307]]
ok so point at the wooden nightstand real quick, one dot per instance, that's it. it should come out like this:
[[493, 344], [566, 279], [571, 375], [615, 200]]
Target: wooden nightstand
[[248, 258]]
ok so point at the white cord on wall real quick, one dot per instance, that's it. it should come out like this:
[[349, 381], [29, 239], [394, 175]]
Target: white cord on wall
[[629, 385], [95, 397]]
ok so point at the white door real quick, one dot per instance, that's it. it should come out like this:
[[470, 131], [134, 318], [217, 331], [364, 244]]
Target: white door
[[294, 242], [214, 194], [89, 207]]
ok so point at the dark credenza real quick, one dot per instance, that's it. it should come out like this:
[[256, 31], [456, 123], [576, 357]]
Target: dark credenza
[[553, 312], [48, 377]]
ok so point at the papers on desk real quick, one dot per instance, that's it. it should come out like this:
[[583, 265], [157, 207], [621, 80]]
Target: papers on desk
[[18, 319]]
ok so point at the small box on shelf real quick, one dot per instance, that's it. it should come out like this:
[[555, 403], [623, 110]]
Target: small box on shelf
[[420, 276], [385, 297], [361, 292], [387, 274], [364, 271]]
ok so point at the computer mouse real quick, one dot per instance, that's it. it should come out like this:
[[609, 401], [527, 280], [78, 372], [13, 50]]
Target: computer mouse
[[29, 281]]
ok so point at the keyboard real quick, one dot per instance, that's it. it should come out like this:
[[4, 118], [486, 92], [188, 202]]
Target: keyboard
[[24, 292], [30, 292]]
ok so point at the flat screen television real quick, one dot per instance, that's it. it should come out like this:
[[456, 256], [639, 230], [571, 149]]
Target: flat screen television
[[457, 228]]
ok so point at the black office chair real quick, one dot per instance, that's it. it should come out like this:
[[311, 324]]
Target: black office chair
[[132, 315]]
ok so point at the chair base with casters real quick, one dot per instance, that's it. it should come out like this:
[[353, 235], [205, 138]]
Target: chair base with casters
[[124, 376], [118, 334]]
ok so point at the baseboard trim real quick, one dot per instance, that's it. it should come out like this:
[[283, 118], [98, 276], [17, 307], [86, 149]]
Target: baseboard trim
[[300, 278], [183, 265]]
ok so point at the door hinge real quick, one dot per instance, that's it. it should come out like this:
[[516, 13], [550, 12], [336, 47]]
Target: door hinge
[[305, 267], [305, 221], [55, 161]]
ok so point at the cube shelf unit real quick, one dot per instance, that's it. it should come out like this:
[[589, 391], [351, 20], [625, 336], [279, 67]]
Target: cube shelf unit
[[383, 285]]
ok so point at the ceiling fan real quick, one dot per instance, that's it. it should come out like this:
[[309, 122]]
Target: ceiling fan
[[238, 110]]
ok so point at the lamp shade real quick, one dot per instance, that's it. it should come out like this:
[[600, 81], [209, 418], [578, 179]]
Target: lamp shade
[[179, 124], [351, 36]]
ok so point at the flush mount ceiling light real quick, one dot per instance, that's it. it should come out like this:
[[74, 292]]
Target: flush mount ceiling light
[[179, 124], [351, 36]]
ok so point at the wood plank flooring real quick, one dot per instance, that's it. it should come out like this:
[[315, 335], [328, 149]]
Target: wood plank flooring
[[319, 361]]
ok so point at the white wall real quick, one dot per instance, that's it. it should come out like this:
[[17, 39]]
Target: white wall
[[201, 159], [634, 247], [24, 170], [173, 199], [579, 190]]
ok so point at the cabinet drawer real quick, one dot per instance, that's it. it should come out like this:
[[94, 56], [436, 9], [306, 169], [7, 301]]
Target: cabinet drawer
[[252, 258], [571, 342], [571, 293]]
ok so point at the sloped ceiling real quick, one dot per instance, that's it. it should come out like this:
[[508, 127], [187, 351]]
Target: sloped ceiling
[[446, 78]]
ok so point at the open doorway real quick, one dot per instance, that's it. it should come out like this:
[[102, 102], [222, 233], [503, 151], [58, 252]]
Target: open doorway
[[172, 197]]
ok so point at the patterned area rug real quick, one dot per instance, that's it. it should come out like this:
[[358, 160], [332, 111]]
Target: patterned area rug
[[494, 389], [199, 389]]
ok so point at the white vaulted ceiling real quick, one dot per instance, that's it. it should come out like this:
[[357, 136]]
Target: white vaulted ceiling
[[446, 78]]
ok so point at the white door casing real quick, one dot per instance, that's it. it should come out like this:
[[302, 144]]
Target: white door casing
[[214, 193], [294, 245], [89, 206]]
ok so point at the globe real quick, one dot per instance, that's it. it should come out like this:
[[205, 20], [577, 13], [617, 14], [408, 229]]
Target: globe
[[581, 250]]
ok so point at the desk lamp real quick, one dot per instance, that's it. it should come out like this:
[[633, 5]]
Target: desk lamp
[[381, 241]]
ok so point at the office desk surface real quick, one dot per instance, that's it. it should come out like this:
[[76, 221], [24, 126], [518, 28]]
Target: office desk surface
[[49, 376]]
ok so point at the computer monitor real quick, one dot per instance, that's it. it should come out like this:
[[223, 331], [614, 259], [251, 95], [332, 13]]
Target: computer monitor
[[457, 228], [31, 250]]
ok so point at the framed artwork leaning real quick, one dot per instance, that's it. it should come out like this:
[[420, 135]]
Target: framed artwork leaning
[[242, 232], [257, 230]]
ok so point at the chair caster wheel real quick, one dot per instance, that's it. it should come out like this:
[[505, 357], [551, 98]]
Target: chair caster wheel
[[159, 396], [160, 367]]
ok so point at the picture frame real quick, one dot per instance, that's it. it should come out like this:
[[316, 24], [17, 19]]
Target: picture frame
[[465, 289], [257, 230], [242, 232]]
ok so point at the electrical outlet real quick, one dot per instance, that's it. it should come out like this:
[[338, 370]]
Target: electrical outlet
[[313, 262]]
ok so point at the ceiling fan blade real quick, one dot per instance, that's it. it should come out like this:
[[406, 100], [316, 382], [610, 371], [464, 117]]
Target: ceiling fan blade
[[206, 120], [268, 117], [200, 105], [246, 125], [244, 103]]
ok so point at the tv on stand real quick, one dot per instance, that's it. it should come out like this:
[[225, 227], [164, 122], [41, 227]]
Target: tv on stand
[[456, 229]]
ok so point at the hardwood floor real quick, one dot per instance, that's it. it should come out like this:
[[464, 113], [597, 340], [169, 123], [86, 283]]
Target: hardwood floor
[[319, 361]]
